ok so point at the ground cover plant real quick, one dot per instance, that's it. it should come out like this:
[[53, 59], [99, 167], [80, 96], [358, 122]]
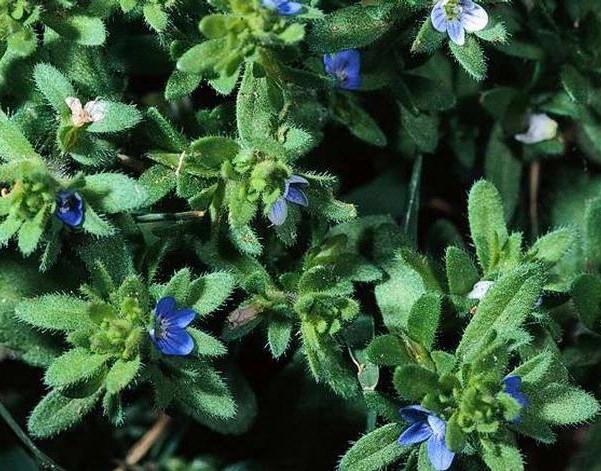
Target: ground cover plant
[[255, 235]]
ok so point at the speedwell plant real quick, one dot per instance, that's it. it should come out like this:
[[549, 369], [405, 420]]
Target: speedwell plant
[[300, 235]]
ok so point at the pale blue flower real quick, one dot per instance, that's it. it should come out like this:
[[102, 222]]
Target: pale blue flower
[[283, 7], [512, 385], [293, 193], [427, 427], [345, 67], [70, 208], [455, 17], [169, 333]]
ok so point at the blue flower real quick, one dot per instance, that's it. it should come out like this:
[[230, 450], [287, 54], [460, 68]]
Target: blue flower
[[169, 333], [512, 385], [70, 208], [293, 193], [427, 427], [283, 7], [345, 67], [455, 17]]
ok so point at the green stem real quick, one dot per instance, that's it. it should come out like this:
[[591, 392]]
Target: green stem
[[40, 456], [162, 217]]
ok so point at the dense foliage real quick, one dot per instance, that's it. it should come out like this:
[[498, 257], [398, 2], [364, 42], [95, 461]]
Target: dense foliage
[[245, 235]]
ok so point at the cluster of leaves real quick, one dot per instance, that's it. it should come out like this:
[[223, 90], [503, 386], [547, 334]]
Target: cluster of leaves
[[145, 146]]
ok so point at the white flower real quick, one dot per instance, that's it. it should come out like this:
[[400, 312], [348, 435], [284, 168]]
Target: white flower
[[480, 289], [540, 128], [92, 112], [455, 17]]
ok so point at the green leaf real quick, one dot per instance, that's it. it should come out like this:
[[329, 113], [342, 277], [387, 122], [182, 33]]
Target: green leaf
[[592, 231], [387, 350], [495, 33], [351, 27], [9, 227], [202, 58], [31, 232], [181, 84], [206, 345], [428, 40], [561, 404], [539, 370], [94, 224], [503, 170], [74, 366], [13, 144], [207, 395], [424, 319], [359, 122], [278, 334], [54, 312], [374, 451], [422, 128], [55, 87], [504, 308], [471, 57], [487, 224], [85, 30], [575, 84], [586, 293], [117, 117], [462, 274], [246, 239], [552, 247], [155, 16], [501, 456], [413, 382], [208, 154], [115, 192], [121, 374], [56, 413], [209, 292]]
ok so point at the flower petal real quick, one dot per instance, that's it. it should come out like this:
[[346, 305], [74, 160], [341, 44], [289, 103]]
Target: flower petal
[[294, 195], [480, 289], [439, 18], [175, 341], [74, 104], [456, 32], [344, 66], [278, 212], [180, 317], [474, 18], [165, 306], [352, 82], [541, 128], [289, 8], [298, 180], [70, 208], [96, 110], [440, 456], [415, 433], [513, 386], [414, 414], [438, 426]]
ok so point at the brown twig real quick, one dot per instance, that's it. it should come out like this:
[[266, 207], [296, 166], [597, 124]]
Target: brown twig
[[144, 444], [534, 188]]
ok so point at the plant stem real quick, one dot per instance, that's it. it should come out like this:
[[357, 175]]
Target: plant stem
[[40, 456], [534, 188], [162, 217]]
